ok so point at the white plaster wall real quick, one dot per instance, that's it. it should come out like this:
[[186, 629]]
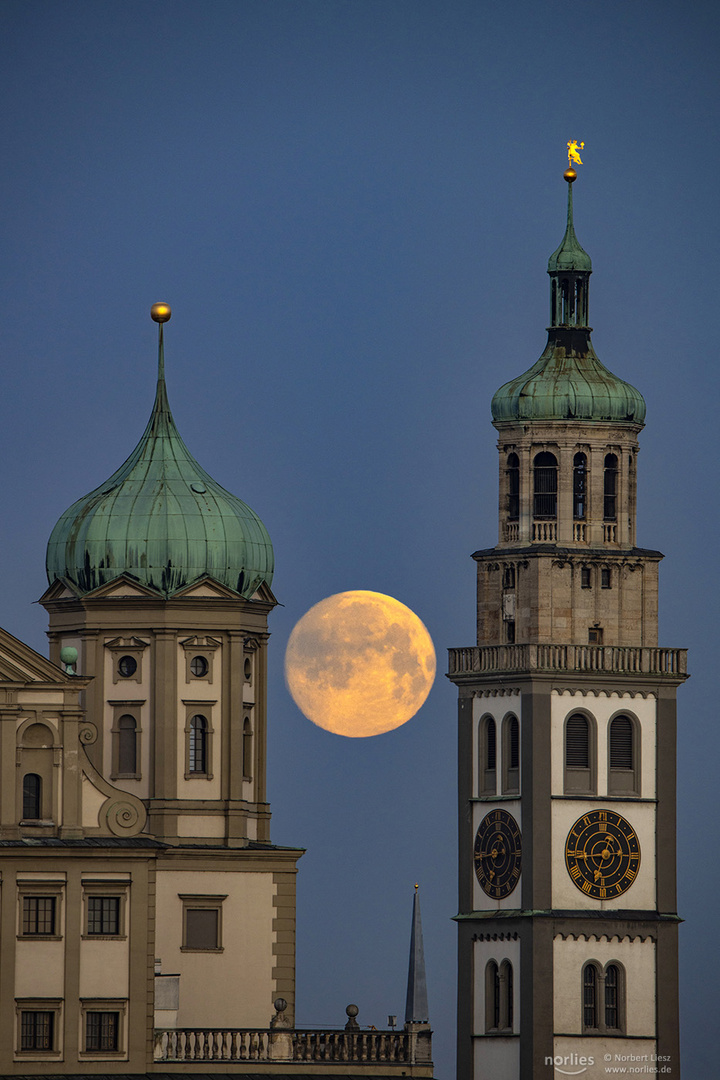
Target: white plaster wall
[[40, 969], [600, 1055], [603, 707], [39, 697], [92, 800], [637, 957], [497, 706], [232, 988], [497, 1058], [641, 894], [483, 953], [481, 900], [105, 967]]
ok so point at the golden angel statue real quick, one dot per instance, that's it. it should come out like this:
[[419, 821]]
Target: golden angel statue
[[574, 149]]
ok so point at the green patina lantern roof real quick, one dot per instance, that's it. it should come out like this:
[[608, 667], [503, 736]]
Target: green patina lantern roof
[[160, 518], [570, 255], [569, 382]]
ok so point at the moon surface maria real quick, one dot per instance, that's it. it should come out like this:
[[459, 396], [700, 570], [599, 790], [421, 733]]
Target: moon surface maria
[[359, 664]]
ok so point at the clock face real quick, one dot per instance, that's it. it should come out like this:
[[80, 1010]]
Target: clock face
[[497, 853], [602, 854]]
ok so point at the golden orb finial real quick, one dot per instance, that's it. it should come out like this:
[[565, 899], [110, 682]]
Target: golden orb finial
[[160, 312], [570, 175]]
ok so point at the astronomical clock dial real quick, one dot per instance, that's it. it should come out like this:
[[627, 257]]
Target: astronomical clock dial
[[602, 854], [498, 853]]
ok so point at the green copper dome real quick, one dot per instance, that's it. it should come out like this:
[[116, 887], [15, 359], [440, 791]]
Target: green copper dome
[[569, 382], [162, 519]]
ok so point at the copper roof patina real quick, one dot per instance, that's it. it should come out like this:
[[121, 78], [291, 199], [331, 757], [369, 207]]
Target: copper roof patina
[[569, 382], [161, 519]]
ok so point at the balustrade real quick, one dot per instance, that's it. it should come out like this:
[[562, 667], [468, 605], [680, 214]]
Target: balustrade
[[544, 530], [548, 657], [289, 1045]]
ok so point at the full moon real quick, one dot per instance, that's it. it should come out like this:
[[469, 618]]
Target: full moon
[[359, 663]]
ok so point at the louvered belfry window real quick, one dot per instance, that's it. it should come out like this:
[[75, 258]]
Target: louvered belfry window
[[610, 488], [611, 996], [491, 755], [590, 997], [621, 743], [514, 743], [577, 743], [545, 495]]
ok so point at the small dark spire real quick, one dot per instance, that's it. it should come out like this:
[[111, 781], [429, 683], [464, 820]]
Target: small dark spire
[[416, 1002]]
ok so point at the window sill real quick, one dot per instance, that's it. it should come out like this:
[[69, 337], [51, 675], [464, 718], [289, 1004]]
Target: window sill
[[191, 948], [104, 937], [198, 776], [39, 937]]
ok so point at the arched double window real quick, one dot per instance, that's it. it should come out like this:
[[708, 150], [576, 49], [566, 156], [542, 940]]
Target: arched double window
[[603, 996], [580, 487], [512, 474], [499, 993], [487, 756], [32, 797], [198, 746], [623, 756], [610, 488], [580, 754], [545, 486]]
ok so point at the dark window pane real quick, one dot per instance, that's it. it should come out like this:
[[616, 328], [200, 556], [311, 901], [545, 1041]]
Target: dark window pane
[[590, 997], [496, 997], [611, 997], [579, 487], [201, 928], [32, 797], [127, 666], [514, 744], [103, 915], [491, 745], [513, 487], [38, 915], [199, 666], [545, 495], [36, 1030], [198, 744], [577, 743], [610, 504], [509, 988], [621, 743], [101, 1031], [127, 745]]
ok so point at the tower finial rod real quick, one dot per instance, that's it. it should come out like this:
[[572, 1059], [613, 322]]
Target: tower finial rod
[[161, 313]]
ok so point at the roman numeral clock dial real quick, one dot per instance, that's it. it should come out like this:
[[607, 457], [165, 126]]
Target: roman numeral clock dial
[[602, 854], [497, 854]]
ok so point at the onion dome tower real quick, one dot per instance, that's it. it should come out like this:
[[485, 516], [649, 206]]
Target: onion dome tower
[[161, 519]]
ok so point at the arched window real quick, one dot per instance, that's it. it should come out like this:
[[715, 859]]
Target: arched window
[[590, 995], [603, 992], [198, 745], [623, 757], [513, 487], [579, 754], [487, 757], [32, 797], [545, 493], [580, 487], [127, 745], [511, 755], [498, 996], [247, 749], [610, 488]]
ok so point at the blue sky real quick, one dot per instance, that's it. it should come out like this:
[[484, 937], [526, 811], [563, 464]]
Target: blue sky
[[349, 205]]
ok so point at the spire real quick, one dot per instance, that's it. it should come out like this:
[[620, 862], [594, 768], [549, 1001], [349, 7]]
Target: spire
[[416, 1003]]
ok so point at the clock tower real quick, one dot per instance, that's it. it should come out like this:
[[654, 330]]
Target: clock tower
[[567, 882]]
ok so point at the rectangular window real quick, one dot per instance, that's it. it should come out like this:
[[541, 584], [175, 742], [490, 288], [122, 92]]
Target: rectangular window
[[585, 581], [38, 916], [595, 635], [101, 1031], [37, 1030], [202, 923], [605, 579], [103, 915]]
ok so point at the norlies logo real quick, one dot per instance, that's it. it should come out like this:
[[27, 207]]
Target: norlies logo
[[575, 1060]]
